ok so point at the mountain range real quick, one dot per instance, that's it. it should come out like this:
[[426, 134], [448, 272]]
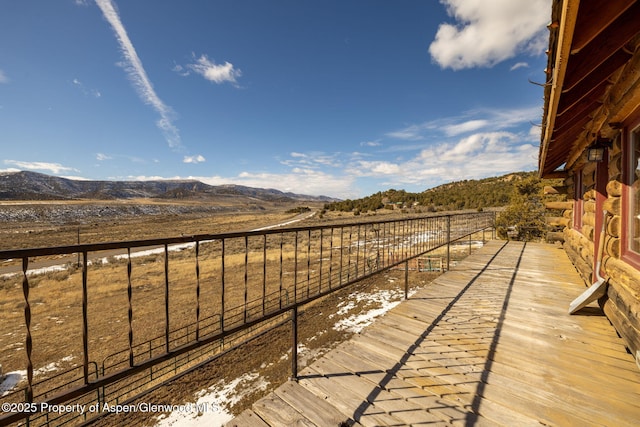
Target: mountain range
[[26, 185]]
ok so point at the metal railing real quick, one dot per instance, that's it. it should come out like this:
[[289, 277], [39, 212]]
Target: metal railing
[[208, 293]]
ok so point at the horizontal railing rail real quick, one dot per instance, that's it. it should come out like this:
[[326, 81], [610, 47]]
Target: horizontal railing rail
[[187, 299]]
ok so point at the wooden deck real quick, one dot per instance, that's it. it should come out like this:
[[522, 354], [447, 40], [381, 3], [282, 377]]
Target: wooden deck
[[489, 343]]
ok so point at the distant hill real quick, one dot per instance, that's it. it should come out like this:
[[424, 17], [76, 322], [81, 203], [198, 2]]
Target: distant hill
[[467, 194], [26, 185]]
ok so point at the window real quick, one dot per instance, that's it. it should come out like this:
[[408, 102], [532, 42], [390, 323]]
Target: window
[[633, 196]]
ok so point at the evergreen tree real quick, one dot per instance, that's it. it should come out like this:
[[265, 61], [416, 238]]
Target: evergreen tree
[[525, 212]]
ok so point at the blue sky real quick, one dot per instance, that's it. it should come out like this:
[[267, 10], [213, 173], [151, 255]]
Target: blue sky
[[335, 97]]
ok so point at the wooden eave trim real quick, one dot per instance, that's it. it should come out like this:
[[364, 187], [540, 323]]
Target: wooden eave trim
[[585, 137], [593, 81], [594, 16], [603, 46], [581, 106], [573, 128], [559, 152], [556, 175], [567, 26]]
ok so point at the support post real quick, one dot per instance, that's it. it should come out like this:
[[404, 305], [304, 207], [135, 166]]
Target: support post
[[448, 241], [294, 343], [406, 279]]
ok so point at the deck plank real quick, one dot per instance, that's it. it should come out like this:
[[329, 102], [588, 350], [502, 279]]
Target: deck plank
[[316, 410], [488, 343]]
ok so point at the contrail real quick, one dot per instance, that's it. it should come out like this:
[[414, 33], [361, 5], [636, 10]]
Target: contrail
[[138, 76]]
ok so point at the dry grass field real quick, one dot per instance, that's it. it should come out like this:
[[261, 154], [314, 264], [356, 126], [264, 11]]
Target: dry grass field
[[56, 298], [64, 223]]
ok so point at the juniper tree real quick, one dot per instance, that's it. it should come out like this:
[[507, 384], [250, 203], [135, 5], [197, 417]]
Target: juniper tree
[[525, 211]]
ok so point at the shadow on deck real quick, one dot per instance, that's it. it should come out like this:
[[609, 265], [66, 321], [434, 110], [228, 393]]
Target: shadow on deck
[[488, 343]]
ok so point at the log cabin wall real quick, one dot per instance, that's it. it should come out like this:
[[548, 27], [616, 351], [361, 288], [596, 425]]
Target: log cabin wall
[[622, 302], [592, 94]]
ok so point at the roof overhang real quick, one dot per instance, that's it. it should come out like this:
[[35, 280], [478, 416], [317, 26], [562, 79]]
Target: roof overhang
[[592, 77]]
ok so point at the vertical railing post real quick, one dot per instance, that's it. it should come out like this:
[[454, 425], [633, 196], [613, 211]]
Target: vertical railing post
[[349, 253], [166, 296], [493, 228], [130, 309], [448, 241], [358, 252], [406, 279], [264, 273], [295, 269], [222, 272], [27, 321], [320, 266], [331, 258], [308, 262], [341, 255], [294, 343], [85, 321], [281, 273], [365, 257], [78, 245], [197, 291], [246, 276]]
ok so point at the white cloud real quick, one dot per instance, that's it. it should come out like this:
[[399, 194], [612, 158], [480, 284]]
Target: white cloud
[[370, 144], [194, 159], [377, 168], [93, 92], [409, 133], [469, 121], [471, 157], [55, 168], [519, 65], [487, 32], [464, 127], [535, 133], [474, 145], [225, 73], [101, 157], [138, 76], [297, 180], [3, 77], [313, 160]]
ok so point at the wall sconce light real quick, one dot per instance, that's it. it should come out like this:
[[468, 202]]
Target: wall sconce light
[[595, 152]]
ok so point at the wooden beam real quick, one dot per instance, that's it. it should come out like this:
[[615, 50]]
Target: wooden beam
[[557, 189], [559, 205], [580, 113], [557, 221], [603, 46], [568, 134], [557, 174], [593, 17], [594, 81]]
